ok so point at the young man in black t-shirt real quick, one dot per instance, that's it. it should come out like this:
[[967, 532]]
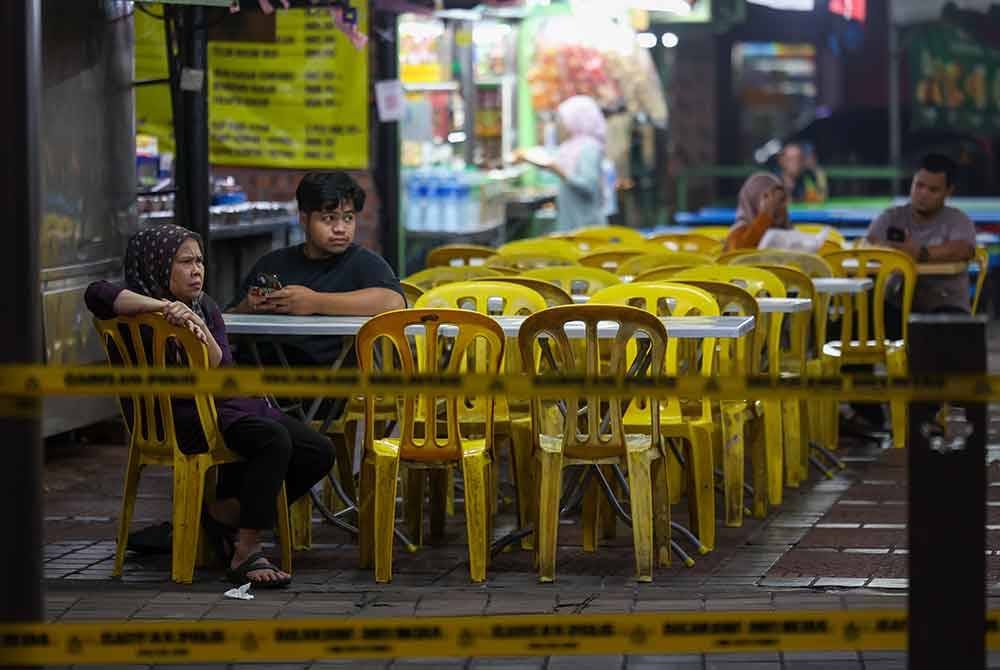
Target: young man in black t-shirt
[[328, 274]]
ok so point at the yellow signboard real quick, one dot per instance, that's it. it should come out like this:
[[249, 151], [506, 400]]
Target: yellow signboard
[[153, 115], [298, 102]]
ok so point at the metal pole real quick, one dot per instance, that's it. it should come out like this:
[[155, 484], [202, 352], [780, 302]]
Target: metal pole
[[194, 109], [21, 476], [387, 181], [895, 118], [947, 503]]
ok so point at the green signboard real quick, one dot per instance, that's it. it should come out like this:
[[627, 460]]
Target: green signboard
[[955, 80]]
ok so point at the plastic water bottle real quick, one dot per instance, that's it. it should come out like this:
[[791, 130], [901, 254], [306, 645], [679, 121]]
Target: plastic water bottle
[[433, 210], [463, 191], [473, 203], [610, 178], [447, 194]]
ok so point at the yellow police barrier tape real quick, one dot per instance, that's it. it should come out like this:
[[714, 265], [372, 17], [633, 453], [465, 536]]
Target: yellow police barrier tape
[[166, 642], [40, 380]]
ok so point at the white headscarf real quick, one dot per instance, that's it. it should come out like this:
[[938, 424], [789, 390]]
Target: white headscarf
[[583, 120]]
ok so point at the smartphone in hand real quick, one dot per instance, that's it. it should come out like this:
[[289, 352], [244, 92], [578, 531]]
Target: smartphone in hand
[[266, 284]]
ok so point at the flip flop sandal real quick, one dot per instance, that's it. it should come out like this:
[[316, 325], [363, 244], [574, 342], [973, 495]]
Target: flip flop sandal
[[258, 561], [221, 536]]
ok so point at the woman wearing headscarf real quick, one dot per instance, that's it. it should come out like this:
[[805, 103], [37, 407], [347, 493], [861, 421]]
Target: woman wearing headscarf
[[578, 163], [164, 274], [762, 205]]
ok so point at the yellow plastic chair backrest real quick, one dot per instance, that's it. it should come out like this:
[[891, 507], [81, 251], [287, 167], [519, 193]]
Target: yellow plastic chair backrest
[[477, 345], [665, 273], [983, 261], [518, 263], [635, 266], [760, 284], [438, 276], [812, 265], [592, 426], [540, 247], [411, 292], [717, 233], [584, 243], [553, 295], [799, 285], [860, 334], [147, 341], [832, 233], [485, 297], [690, 242], [610, 259], [829, 247], [734, 357], [669, 299], [611, 234], [458, 254], [577, 279]]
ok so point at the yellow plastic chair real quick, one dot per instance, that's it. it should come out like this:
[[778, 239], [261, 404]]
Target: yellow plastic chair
[[438, 276], [411, 292], [637, 265], [737, 357], [759, 283], [511, 415], [611, 234], [863, 339], [694, 425], [458, 254], [584, 243], [664, 273], [149, 341], [609, 258], [421, 447], [830, 247], [554, 296], [688, 242], [812, 265], [983, 261], [540, 247], [572, 429], [718, 233], [577, 279], [514, 264], [832, 234]]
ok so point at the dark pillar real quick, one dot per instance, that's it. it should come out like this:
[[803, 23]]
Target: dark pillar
[[190, 80], [947, 502], [21, 474], [386, 172]]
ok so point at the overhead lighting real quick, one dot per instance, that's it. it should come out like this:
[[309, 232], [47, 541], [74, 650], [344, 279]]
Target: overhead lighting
[[646, 40], [670, 40], [672, 6], [792, 5]]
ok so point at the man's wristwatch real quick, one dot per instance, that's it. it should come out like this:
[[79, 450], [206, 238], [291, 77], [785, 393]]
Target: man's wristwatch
[[924, 254]]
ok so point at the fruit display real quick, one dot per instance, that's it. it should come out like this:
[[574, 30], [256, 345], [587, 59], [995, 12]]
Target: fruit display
[[574, 56]]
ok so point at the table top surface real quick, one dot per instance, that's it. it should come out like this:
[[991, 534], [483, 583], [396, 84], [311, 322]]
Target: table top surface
[[930, 269], [767, 305], [842, 285], [273, 324]]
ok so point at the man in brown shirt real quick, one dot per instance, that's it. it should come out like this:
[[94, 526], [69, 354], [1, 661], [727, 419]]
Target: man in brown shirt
[[931, 232]]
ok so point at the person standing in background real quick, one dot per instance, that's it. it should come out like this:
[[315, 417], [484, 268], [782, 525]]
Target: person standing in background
[[578, 163], [800, 181]]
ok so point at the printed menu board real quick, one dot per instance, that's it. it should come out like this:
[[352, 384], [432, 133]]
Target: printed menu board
[[298, 102]]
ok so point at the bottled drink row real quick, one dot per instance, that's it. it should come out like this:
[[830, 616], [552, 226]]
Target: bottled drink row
[[442, 200]]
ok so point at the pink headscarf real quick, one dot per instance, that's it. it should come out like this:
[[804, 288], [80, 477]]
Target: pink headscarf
[[748, 206], [583, 120]]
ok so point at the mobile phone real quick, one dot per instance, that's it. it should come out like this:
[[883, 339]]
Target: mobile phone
[[266, 283], [895, 234]]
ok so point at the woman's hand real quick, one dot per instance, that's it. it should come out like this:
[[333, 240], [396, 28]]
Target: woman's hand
[[178, 314], [198, 332]]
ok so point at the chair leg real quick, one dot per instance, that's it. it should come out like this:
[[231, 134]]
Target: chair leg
[[520, 453], [284, 523], [301, 519], [733, 462], [896, 366], [675, 475], [450, 499], [773, 447], [793, 440], [413, 504], [133, 472], [475, 473], [641, 498], [758, 465], [189, 488], [440, 479], [661, 512], [384, 492], [608, 522], [366, 513], [701, 491], [549, 491]]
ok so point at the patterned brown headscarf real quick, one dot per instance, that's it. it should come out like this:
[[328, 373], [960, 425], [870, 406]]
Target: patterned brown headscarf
[[149, 259], [748, 208]]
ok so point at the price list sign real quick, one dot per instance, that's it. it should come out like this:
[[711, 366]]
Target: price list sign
[[299, 102]]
